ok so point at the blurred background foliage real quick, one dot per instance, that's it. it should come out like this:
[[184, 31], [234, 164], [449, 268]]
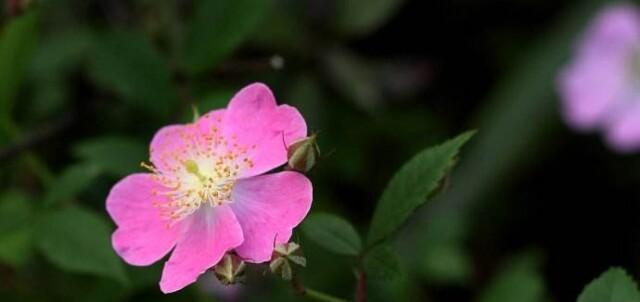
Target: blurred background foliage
[[533, 211]]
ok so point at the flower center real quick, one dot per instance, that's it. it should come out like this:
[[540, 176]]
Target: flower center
[[201, 182], [201, 172]]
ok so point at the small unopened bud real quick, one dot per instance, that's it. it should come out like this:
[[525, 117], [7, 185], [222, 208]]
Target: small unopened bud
[[283, 255], [281, 267], [230, 269], [196, 112], [303, 154]]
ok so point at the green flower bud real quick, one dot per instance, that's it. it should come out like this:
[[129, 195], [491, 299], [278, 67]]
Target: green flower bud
[[230, 269], [281, 267], [196, 112], [303, 154], [283, 255]]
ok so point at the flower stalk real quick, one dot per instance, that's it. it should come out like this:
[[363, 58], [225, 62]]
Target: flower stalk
[[301, 290]]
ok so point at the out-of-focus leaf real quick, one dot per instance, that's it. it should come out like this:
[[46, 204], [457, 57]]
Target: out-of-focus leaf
[[16, 213], [78, 240], [117, 156], [361, 17], [106, 290], [333, 233], [520, 280], [353, 78], [17, 42], [49, 97], [15, 210], [71, 182], [219, 26], [441, 252], [447, 264], [128, 64], [283, 30], [306, 94], [412, 185], [52, 62], [614, 285], [381, 263], [60, 52], [215, 100], [16, 247]]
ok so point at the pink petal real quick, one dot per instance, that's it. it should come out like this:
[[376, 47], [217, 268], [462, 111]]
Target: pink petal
[[614, 31], [174, 143], [254, 119], [165, 145], [268, 207], [209, 234], [590, 87], [142, 236], [623, 133], [597, 79], [284, 236]]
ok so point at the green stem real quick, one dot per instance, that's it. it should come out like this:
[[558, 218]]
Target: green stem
[[320, 296], [301, 290]]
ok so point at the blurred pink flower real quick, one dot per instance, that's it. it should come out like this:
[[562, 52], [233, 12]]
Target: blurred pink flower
[[206, 195], [600, 88]]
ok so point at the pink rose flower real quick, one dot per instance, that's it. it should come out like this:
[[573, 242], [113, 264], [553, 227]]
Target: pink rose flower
[[600, 88], [208, 194]]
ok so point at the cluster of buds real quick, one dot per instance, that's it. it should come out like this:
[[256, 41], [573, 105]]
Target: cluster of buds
[[303, 154], [282, 257], [230, 270]]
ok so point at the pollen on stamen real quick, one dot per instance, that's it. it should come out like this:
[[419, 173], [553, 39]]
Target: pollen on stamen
[[149, 167], [200, 171]]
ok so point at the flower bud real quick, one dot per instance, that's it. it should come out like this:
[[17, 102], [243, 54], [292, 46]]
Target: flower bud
[[196, 112], [230, 269], [303, 154], [281, 267], [283, 255]]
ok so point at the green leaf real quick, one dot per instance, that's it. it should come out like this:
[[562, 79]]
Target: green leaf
[[118, 156], [59, 52], [128, 64], [15, 210], [217, 99], [17, 42], [16, 247], [412, 185], [614, 285], [381, 263], [78, 241], [353, 77], [218, 28], [332, 233], [520, 280], [16, 214], [71, 182], [360, 17], [441, 251]]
